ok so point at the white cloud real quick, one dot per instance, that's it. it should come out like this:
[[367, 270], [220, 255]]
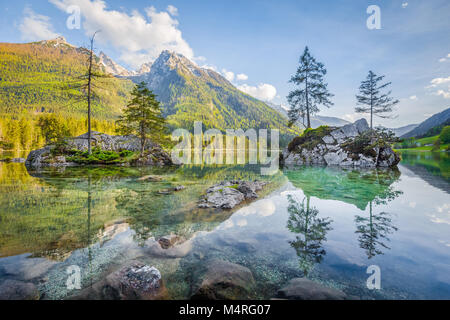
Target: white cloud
[[445, 58], [139, 38], [439, 81], [36, 27], [228, 75], [242, 222], [263, 91], [413, 98], [443, 214], [352, 117], [444, 93], [242, 77], [172, 10], [210, 67], [200, 59], [404, 4], [264, 208]]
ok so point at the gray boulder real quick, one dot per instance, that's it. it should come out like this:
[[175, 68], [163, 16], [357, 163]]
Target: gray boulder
[[107, 142], [44, 158], [305, 289]]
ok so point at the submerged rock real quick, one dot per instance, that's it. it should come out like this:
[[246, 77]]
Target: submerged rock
[[229, 194], [305, 289], [151, 178], [167, 242], [348, 146], [222, 280], [135, 281], [18, 290]]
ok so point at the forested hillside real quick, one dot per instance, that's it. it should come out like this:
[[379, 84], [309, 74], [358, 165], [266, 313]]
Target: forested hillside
[[45, 77]]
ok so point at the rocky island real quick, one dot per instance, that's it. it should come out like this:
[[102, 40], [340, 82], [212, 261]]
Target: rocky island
[[353, 145], [106, 149]]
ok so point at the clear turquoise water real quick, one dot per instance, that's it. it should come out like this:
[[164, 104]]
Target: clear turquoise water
[[328, 224]]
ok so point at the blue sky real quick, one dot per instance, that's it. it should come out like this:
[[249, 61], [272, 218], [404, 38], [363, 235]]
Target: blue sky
[[262, 41]]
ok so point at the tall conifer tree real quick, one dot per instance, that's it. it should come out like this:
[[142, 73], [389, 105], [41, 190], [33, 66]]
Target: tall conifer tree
[[312, 90], [143, 117], [371, 100]]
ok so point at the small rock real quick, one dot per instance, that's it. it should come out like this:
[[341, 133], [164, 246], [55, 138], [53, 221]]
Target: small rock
[[328, 140], [151, 178], [164, 192], [305, 289], [168, 241]]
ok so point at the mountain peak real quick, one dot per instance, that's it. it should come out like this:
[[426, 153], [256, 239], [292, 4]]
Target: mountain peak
[[145, 68], [58, 41], [112, 67]]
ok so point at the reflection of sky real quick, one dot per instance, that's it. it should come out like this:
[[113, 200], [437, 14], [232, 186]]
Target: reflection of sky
[[419, 254]]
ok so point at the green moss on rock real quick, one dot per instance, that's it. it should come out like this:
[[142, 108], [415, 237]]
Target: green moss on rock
[[310, 138]]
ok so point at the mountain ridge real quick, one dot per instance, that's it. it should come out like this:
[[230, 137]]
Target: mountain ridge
[[191, 93], [433, 121], [316, 121]]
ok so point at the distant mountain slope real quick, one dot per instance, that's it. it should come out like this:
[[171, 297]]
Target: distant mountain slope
[[316, 121], [431, 122], [190, 93], [32, 76], [405, 129]]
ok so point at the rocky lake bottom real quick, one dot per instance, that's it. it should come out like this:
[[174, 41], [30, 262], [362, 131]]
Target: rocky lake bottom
[[322, 223]]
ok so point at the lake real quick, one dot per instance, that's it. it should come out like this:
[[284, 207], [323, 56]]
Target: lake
[[327, 224]]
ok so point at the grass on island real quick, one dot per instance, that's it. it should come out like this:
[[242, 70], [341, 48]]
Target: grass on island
[[99, 156]]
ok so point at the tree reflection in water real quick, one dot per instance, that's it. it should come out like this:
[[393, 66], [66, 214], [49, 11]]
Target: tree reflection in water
[[373, 231], [310, 232]]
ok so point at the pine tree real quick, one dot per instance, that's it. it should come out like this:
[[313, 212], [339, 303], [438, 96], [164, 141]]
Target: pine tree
[[143, 117], [371, 100], [312, 90]]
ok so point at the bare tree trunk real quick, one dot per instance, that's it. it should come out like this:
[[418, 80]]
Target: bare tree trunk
[[91, 55], [307, 104], [91, 61]]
